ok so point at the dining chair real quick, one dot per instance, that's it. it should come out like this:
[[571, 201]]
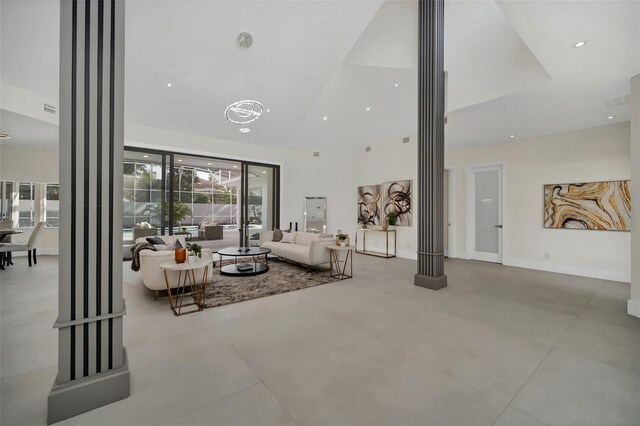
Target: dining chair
[[5, 258], [30, 247]]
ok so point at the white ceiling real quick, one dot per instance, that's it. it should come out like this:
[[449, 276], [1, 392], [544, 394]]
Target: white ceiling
[[511, 67], [27, 131]]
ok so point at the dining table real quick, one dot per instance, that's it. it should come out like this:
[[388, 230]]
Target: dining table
[[6, 257]]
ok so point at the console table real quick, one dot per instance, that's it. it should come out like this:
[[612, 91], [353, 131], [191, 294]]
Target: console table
[[387, 244]]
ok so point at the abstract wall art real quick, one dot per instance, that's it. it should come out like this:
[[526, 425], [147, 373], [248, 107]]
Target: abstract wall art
[[369, 204], [602, 206], [397, 198]]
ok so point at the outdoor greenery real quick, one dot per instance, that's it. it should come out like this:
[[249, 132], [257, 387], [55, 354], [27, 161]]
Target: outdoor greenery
[[180, 212]]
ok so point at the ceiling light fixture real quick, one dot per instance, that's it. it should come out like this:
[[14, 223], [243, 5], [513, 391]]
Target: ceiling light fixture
[[168, 84], [235, 167], [264, 171], [244, 130], [579, 44], [396, 84], [243, 112], [208, 164], [324, 118], [180, 159], [268, 110], [512, 136], [611, 117], [5, 136], [368, 109], [145, 156]]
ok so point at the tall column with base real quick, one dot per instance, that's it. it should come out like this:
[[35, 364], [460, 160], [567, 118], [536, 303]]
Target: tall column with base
[[92, 362], [633, 305], [431, 81]]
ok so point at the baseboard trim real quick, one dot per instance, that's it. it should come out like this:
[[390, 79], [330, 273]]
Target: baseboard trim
[[86, 394], [602, 274], [633, 308]]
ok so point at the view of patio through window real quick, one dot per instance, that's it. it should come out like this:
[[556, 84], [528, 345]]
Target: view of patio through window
[[196, 197]]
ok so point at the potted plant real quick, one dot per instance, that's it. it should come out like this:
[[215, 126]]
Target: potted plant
[[341, 239], [390, 219], [194, 250], [183, 228]]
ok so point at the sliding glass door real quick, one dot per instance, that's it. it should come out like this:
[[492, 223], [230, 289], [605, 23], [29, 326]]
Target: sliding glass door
[[259, 201], [216, 202]]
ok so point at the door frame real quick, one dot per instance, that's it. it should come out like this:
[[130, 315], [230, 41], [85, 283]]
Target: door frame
[[451, 209], [470, 213]]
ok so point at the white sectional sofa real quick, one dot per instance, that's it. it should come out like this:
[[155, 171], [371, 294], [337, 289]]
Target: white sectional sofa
[[306, 249], [153, 276]]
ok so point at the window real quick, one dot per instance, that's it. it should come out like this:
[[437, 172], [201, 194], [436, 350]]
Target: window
[[52, 205], [26, 205]]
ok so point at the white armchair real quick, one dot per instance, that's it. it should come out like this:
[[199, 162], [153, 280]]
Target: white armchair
[[150, 261]]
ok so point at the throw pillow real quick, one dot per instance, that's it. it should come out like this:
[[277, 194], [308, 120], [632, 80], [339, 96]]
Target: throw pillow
[[277, 235], [155, 240], [288, 237]]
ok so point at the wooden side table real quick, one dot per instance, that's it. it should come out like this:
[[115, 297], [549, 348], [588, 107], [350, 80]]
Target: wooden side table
[[186, 280], [339, 266]]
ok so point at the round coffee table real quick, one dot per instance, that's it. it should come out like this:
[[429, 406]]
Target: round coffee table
[[243, 268]]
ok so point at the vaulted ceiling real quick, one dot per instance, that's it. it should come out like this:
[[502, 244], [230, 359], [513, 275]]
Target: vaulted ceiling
[[511, 66]]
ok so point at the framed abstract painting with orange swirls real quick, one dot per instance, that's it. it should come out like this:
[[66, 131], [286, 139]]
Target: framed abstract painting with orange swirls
[[603, 206]]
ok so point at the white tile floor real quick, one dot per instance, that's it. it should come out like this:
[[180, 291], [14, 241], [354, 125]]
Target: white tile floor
[[500, 345]]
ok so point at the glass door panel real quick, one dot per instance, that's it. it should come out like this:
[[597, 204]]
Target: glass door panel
[[259, 203], [487, 199]]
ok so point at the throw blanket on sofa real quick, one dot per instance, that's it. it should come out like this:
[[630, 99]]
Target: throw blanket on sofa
[[135, 250]]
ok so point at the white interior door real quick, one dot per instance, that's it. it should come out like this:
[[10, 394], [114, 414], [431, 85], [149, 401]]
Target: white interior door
[[485, 206]]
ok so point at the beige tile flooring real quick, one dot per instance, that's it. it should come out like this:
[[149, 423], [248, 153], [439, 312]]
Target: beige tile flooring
[[500, 345]]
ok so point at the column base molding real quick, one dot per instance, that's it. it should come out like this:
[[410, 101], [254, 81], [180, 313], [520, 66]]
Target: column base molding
[[86, 394], [432, 283]]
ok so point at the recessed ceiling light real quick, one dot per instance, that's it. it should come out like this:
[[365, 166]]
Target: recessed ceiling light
[[208, 164], [268, 110], [324, 118], [5, 136], [180, 159], [580, 44], [512, 136], [145, 156], [611, 117], [264, 171], [396, 84], [235, 167], [168, 84], [244, 130], [368, 109]]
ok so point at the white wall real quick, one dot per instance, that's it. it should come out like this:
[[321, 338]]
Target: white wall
[[596, 154], [31, 165]]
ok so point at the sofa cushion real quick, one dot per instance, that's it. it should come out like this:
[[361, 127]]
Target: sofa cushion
[[155, 241], [305, 238], [277, 235], [288, 238]]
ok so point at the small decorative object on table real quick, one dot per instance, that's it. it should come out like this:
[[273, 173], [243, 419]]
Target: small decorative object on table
[[390, 219], [341, 239], [195, 252], [180, 252], [183, 228]]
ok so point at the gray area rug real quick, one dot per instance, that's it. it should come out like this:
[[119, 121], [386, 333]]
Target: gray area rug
[[282, 277]]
